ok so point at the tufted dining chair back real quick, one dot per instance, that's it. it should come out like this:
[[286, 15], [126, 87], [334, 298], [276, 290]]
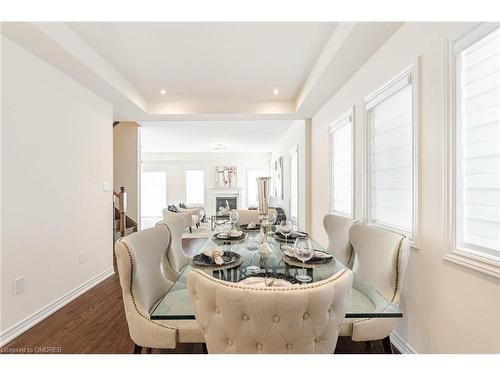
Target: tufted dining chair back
[[237, 318], [337, 228]]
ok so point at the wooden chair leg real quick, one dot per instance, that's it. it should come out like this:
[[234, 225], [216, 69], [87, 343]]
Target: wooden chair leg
[[387, 345], [137, 349]]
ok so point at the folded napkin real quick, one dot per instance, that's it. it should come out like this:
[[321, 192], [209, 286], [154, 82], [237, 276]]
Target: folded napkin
[[265, 281], [215, 253], [318, 254], [231, 234], [235, 233]]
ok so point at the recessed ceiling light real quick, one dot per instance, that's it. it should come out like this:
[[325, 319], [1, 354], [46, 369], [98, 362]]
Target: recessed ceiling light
[[276, 92], [163, 92]]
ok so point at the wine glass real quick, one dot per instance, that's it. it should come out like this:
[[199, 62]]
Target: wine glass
[[304, 251], [272, 217], [286, 229], [234, 217], [252, 244]]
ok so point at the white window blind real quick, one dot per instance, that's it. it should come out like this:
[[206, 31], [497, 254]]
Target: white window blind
[[390, 167], [294, 186], [195, 187], [341, 165], [252, 191], [478, 144]]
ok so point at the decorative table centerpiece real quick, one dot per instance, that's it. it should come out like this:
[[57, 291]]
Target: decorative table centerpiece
[[263, 184]]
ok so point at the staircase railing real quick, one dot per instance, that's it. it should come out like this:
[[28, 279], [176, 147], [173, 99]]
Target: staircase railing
[[122, 209]]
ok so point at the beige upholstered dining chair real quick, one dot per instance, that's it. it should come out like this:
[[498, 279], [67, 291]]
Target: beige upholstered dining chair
[[337, 228], [247, 216], [381, 260], [146, 274], [177, 258], [239, 318], [190, 219]]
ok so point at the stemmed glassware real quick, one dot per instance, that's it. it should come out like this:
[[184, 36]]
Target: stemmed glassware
[[286, 229], [252, 244], [234, 217], [304, 251], [272, 216]]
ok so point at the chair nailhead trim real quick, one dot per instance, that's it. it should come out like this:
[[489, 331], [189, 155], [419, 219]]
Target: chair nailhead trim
[[274, 289], [132, 294], [396, 283]]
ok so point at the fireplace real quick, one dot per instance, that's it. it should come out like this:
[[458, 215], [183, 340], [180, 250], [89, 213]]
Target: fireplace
[[221, 201]]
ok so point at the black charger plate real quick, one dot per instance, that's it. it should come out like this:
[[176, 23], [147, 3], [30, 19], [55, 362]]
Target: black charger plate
[[229, 257]]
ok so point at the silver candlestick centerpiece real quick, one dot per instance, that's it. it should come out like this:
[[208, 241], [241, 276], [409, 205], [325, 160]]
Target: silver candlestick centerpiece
[[263, 185]]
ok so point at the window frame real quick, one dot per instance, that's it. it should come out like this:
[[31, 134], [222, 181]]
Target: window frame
[[337, 124], [294, 151], [247, 180], [141, 203], [411, 73], [185, 186], [467, 257]]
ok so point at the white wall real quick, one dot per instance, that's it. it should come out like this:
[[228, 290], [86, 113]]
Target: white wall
[[126, 164], [447, 308], [56, 153], [296, 135], [175, 166]]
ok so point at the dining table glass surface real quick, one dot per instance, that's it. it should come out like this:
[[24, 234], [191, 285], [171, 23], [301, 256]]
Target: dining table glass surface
[[366, 302]]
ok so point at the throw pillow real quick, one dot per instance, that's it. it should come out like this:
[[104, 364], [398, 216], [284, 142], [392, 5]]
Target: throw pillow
[[172, 208]]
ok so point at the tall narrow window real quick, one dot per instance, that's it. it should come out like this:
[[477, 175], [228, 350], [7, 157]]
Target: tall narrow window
[[252, 193], [195, 187], [294, 185], [341, 165], [153, 197], [477, 157], [390, 185]]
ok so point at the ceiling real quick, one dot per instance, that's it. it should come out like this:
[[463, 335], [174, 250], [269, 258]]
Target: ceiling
[[201, 136], [209, 61], [211, 71]]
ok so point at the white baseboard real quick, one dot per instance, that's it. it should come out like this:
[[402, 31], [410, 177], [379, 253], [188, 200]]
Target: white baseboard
[[401, 344], [25, 324]]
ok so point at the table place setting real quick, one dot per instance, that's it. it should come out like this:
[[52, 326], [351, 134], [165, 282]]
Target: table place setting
[[250, 227], [216, 257], [232, 235], [263, 279], [319, 257]]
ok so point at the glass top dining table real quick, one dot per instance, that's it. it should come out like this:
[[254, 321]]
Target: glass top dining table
[[366, 302]]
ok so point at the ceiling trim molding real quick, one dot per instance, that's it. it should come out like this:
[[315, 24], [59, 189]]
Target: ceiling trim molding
[[222, 157]]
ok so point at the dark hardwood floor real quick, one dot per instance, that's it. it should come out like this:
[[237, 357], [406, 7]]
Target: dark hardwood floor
[[95, 323]]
